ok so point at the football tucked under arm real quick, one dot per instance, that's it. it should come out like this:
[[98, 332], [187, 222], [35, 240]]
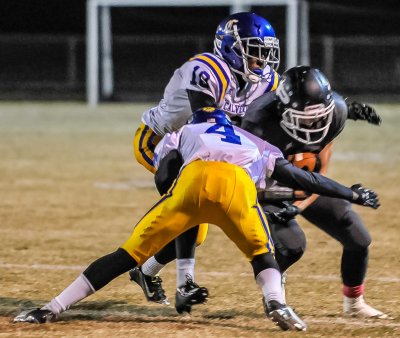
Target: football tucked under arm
[[306, 161]]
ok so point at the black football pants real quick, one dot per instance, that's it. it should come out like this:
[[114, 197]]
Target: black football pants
[[336, 218]]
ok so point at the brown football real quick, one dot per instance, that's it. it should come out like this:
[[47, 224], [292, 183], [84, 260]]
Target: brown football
[[306, 161]]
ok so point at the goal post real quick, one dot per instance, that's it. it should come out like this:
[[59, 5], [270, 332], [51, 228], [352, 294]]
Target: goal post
[[99, 63]]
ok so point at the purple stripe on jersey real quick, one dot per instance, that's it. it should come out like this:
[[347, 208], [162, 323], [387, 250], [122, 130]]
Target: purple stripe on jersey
[[150, 144], [215, 59], [216, 75], [145, 157]]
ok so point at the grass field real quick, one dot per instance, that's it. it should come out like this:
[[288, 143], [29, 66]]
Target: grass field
[[71, 192]]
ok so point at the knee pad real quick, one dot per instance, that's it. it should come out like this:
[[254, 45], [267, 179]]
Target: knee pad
[[289, 239]]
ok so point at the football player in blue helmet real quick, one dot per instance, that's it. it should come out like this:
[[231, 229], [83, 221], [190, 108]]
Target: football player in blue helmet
[[241, 68], [247, 42]]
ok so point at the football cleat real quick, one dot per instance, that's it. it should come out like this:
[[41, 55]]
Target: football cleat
[[284, 316], [151, 286], [357, 307], [36, 316], [189, 294]]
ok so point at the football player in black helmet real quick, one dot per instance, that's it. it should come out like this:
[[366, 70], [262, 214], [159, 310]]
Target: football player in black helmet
[[302, 118]]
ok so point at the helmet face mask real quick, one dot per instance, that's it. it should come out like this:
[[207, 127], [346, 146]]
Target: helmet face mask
[[263, 53], [248, 44], [306, 104], [310, 125]]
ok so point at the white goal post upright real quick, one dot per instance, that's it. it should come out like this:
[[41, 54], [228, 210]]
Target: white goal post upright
[[98, 11]]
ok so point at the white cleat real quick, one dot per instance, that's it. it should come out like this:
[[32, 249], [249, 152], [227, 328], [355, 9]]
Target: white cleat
[[358, 308], [284, 316]]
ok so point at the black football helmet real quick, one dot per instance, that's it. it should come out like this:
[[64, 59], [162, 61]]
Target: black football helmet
[[306, 104]]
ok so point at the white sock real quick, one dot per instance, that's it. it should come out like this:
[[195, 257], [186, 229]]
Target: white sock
[[151, 267], [184, 267], [269, 280], [80, 288]]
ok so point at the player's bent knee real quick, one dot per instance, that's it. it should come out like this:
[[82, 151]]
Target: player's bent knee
[[358, 237], [286, 258]]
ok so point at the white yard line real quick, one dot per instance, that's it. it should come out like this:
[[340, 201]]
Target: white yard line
[[205, 273]]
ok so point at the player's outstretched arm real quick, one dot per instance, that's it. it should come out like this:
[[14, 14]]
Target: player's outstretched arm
[[286, 173]]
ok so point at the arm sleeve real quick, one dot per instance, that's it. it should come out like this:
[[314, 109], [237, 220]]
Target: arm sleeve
[[296, 178]]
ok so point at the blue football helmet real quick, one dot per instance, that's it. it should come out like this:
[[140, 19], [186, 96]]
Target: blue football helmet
[[243, 37], [210, 115]]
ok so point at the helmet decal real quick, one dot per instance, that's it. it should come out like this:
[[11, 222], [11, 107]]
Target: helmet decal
[[228, 29]]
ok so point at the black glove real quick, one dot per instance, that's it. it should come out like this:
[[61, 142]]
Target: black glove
[[284, 215], [365, 197], [362, 111]]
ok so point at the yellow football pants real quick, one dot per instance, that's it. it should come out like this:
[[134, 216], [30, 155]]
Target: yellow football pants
[[144, 143], [205, 192]]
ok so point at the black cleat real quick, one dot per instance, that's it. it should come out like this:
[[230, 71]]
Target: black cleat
[[284, 316], [189, 294], [151, 286], [35, 315]]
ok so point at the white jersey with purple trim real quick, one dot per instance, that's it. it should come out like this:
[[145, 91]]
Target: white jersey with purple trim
[[211, 75], [221, 143]]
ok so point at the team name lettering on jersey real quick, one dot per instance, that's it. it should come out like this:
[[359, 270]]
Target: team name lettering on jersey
[[233, 108]]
